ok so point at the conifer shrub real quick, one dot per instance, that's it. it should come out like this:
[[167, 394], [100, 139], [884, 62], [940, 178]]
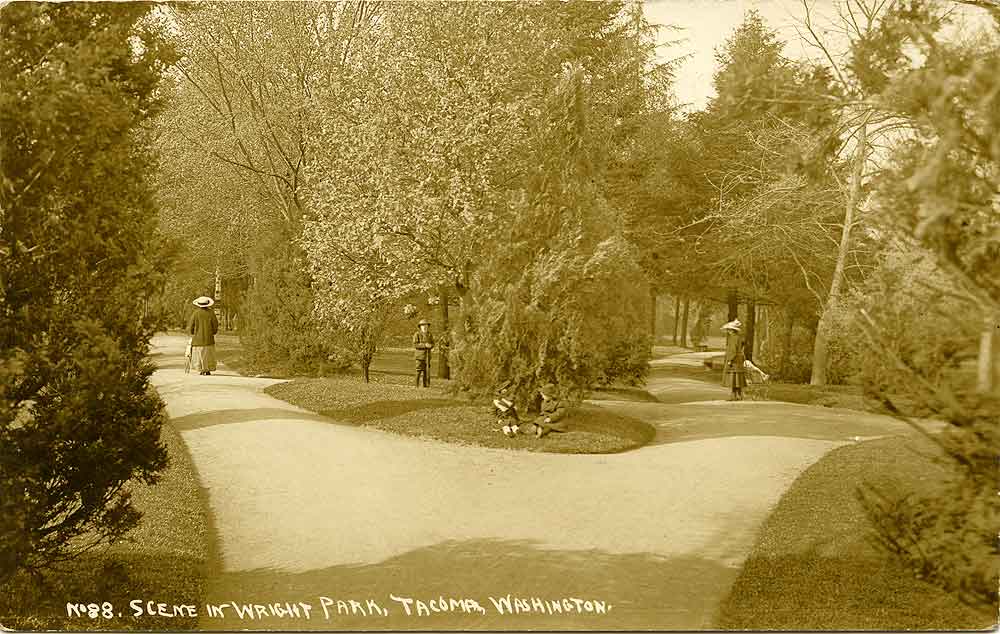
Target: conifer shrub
[[278, 331], [78, 261]]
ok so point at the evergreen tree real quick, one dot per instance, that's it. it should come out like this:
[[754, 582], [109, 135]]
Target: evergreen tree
[[77, 418], [558, 300]]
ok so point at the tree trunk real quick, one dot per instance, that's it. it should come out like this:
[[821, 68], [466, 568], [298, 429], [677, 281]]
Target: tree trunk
[[444, 371], [821, 345], [684, 322], [764, 339], [366, 364], [751, 327], [786, 344], [652, 316], [217, 294], [732, 303], [821, 348], [677, 317], [986, 377]]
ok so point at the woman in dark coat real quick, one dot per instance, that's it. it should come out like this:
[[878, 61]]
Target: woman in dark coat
[[734, 370], [203, 327]]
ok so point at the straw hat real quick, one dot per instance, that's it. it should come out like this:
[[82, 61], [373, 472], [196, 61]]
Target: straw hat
[[734, 325], [203, 302], [423, 322], [549, 389]]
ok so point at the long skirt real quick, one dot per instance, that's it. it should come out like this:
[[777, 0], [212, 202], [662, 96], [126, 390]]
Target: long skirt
[[203, 358], [734, 378]]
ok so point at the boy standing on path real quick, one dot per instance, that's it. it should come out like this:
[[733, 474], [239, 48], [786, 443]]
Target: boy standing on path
[[423, 342]]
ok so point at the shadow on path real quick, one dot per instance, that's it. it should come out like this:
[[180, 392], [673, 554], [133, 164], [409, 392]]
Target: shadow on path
[[169, 363], [229, 416], [681, 384], [644, 591]]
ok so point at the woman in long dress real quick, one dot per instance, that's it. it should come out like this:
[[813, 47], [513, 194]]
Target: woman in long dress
[[203, 326], [734, 370]]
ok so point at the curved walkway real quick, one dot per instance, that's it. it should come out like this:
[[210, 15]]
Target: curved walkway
[[305, 508]]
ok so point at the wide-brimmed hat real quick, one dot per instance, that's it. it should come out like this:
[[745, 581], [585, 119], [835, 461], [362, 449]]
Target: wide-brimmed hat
[[735, 325], [549, 389], [203, 302], [422, 322]]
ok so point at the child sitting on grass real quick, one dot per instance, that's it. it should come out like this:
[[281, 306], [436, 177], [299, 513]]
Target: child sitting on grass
[[505, 411], [551, 416]]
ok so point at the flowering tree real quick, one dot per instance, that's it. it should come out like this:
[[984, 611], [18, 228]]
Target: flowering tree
[[234, 151], [355, 290], [435, 127], [424, 123]]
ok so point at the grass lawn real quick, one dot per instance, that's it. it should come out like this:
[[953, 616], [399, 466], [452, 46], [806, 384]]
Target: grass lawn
[[843, 396], [813, 567], [399, 362], [163, 559], [391, 403]]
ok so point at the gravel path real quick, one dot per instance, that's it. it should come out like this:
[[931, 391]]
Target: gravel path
[[305, 508]]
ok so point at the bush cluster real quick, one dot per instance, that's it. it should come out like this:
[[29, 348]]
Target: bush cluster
[[572, 317], [949, 537], [924, 366], [560, 297]]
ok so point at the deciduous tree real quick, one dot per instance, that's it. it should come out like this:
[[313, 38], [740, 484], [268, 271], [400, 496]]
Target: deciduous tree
[[236, 141], [941, 193]]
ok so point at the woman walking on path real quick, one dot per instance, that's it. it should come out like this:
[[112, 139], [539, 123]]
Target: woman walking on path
[[734, 370], [203, 327]]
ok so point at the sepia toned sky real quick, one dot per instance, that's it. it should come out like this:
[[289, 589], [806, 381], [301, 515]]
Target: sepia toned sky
[[705, 25]]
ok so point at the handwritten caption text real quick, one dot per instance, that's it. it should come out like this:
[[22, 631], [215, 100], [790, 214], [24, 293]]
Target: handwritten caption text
[[328, 609]]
